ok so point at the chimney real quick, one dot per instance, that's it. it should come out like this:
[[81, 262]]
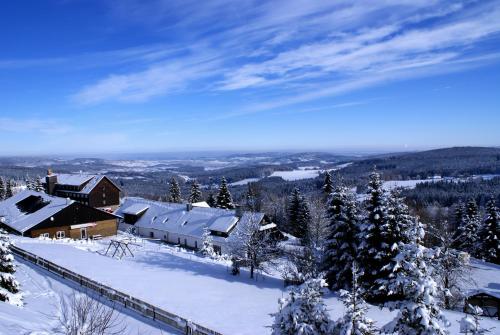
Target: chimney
[[189, 207], [50, 182]]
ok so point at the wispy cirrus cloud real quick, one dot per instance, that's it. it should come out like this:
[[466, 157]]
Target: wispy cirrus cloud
[[300, 51]]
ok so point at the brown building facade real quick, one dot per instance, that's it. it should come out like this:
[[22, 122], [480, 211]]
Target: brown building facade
[[93, 190], [37, 214]]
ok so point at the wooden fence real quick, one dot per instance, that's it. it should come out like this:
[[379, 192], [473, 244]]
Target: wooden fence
[[128, 301]]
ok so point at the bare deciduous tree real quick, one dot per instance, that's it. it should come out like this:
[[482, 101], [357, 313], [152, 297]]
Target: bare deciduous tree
[[84, 315]]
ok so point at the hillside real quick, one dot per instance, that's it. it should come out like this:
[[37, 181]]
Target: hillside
[[449, 162]]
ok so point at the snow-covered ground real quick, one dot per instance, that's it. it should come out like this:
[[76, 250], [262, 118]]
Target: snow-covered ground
[[244, 181], [42, 293], [203, 290]]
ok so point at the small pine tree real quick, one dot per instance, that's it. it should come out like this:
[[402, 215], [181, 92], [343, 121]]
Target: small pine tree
[[341, 244], [489, 234], [29, 184], [211, 200], [174, 191], [38, 186], [419, 311], [224, 199], [9, 287], [195, 195], [8, 189], [328, 183], [207, 248], [2, 189], [303, 311], [471, 324], [355, 321]]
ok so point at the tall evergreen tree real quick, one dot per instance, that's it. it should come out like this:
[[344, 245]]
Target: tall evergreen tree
[[355, 321], [195, 195], [374, 251], [466, 236], [328, 183], [8, 189], [174, 191], [299, 215], [459, 214], [2, 189], [224, 199], [252, 199], [489, 235], [211, 200], [419, 312], [303, 311], [9, 287], [341, 244]]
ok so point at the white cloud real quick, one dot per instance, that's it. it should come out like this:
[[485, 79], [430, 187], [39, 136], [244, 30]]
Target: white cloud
[[303, 49]]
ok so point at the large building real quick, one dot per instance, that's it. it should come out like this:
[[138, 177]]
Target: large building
[[35, 214], [93, 190], [184, 224]]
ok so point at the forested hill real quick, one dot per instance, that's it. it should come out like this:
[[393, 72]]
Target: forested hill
[[449, 162]]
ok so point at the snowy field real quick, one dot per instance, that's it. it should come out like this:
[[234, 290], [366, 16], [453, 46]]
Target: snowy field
[[203, 290], [42, 293]]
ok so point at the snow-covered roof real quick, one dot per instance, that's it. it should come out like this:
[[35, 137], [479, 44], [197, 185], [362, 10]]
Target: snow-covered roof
[[12, 216], [491, 292], [201, 204], [176, 218], [90, 181], [73, 179], [135, 209]]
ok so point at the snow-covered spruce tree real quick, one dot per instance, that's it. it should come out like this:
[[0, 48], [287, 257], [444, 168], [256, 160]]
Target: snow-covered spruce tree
[[374, 251], [174, 192], [451, 270], [38, 186], [9, 287], [328, 183], [489, 235], [471, 324], [8, 189], [466, 236], [341, 244], [355, 321], [2, 189], [224, 199], [303, 311], [396, 232], [419, 312], [459, 214], [195, 195], [299, 216], [211, 200], [253, 202], [207, 248], [29, 183]]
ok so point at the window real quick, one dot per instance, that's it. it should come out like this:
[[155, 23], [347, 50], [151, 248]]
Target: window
[[151, 234], [44, 235], [196, 244], [60, 234], [185, 242], [104, 202], [104, 195], [178, 240]]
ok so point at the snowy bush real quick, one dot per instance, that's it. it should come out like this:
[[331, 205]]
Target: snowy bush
[[470, 324], [303, 311]]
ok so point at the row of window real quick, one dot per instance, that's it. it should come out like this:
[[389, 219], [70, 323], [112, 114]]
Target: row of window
[[59, 234]]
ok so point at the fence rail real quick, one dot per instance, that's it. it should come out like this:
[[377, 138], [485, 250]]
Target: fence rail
[[142, 307]]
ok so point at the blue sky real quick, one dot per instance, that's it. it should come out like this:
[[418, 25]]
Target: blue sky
[[88, 77]]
